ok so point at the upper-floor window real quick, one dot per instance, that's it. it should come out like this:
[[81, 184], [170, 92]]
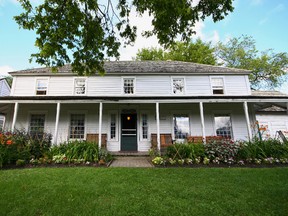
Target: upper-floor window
[[181, 126], [36, 125], [217, 85], [77, 126], [129, 85], [178, 85], [80, 86], [223, 125], [41, 86]]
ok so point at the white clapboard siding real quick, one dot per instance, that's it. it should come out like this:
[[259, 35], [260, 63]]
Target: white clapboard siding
[[24, 86], [198, 85], [273, 122], [61, 85], [104, 86], [146, 85], [153, 85], [236, 85]]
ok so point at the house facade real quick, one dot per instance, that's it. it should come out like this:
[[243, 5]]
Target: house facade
[[134, 102]]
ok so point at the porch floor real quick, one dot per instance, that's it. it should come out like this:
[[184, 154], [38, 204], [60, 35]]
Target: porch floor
[[131, 162]]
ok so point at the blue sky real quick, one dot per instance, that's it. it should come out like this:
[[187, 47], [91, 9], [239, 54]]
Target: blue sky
[[264, 20]]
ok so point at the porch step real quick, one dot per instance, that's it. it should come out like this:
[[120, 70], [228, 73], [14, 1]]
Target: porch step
[[130, 153], [131, 162]]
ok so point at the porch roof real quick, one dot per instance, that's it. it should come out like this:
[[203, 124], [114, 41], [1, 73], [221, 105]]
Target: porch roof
[[144, 99], [142, 67]]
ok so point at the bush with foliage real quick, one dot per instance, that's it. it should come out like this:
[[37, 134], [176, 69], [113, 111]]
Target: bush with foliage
[[79, 151], [224, 150], [262, 149], [20, 145], [183, 151]]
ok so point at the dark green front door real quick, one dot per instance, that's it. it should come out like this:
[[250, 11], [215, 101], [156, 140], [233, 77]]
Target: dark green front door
[[129, 132]]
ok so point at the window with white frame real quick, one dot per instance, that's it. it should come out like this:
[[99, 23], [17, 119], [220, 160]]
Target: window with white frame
[[41, 86], [217, 84], [128, 85], [79, 86], [77, 126], [178, 85], [144, 126], [2, 121], [223, 125], [181, 126], [36, 124], [113, 127]]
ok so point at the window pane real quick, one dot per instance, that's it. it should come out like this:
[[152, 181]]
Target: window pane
[[144, 126], [181, 127], [217, 82], [113, 126], [178, 86], [217, 85], [223, 126], [77, 126], [37, 122], [80, 86], [41, 88], [128, 86]]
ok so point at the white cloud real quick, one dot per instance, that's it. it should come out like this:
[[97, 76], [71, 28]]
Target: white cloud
[[5, 69], [212, 36], [143, 23]]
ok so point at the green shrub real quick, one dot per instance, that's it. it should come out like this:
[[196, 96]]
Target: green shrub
[[183, 151], [20, 162], [20, 145], [79, 151], [224, 150], [257, 149]]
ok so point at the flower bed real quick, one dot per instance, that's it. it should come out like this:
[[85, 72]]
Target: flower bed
[[225, 152], [20, 149]]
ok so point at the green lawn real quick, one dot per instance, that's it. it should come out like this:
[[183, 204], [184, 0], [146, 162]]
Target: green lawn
[[136, 191]]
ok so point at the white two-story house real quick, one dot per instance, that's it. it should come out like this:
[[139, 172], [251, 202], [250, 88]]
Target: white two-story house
[[134, 102]]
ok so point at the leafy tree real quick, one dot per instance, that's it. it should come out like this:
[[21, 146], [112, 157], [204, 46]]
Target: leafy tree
[[92, 29], [268, 68], [9, 80], [152, 53], [198, 52]]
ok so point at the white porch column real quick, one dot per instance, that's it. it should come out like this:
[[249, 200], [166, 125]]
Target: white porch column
[[100, 125], [202, 122], [247, 120], [57, 123], [158, 126], [15, 116]]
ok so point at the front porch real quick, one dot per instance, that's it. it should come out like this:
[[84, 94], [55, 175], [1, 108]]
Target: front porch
[[141, 122]]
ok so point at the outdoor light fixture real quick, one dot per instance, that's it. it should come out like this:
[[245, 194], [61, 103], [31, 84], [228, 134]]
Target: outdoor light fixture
[[128, 118]]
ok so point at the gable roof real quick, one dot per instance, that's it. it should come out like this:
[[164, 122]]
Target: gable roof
[[272, 108], [143, 67], [268, 93]]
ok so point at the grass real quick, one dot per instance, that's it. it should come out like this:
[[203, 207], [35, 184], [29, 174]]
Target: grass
[[126, 191]]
